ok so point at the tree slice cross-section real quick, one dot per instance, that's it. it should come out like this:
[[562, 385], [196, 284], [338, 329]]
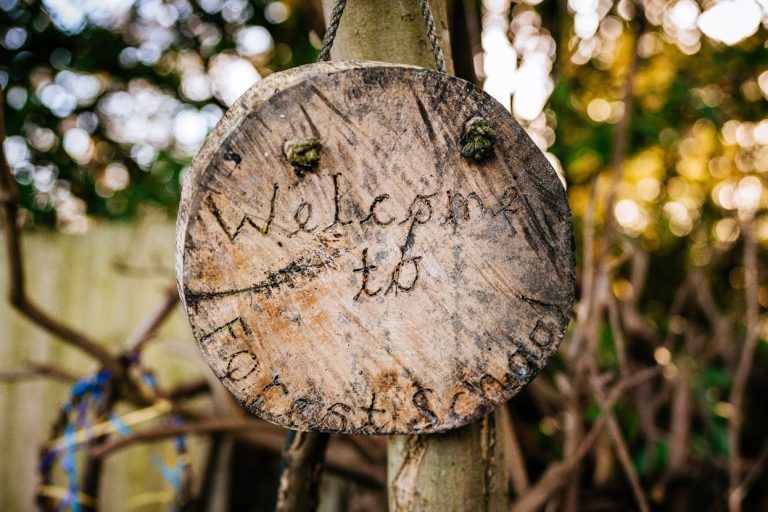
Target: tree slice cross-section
[[393, 285]]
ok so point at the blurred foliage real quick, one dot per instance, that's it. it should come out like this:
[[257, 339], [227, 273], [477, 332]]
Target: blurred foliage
[[697, 156], [106, 102]]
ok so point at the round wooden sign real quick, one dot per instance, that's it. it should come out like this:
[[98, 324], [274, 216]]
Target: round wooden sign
[[371, 248]]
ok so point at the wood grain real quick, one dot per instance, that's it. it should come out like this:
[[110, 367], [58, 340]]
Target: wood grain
[[394, 287]]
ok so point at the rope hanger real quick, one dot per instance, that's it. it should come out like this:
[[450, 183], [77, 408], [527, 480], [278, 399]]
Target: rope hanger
[[429, 23]]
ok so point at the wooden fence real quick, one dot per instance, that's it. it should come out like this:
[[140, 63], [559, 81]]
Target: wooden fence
[[103, 282]]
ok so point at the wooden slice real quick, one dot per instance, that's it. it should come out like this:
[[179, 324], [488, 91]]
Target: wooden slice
[[383, 282]]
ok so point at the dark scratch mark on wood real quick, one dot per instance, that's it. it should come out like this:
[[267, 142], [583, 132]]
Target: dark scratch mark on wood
[[306, 268]]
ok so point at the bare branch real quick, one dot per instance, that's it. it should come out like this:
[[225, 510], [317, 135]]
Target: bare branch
[[744, 368], [302, 467], [515, 460], [342, 458], [148, 328], [621, 144], [618, 334], [620, 445], [200, 427], [189, 390], [17, 292], [38, 371], [754, 472], [680, 421], [555, 476]]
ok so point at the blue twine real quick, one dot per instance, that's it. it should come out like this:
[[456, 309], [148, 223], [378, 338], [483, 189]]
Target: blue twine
[[93, 385], [172, 475], [93, 388], [69, 464], [47, 460], [181, 444], [83, 392], [82, 416], [119, 425], [150, 380]]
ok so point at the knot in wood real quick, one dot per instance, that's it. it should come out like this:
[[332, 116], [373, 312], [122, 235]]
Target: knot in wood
[[303, 153], [478, 138]]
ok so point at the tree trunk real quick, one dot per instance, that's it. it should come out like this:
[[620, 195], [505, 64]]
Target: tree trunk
[[462, 469], [303, 459], [389, 31]]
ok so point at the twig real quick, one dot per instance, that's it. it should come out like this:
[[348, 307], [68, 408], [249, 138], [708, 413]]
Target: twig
[[91, 479], [586, 302], [573, 438], [46, 494], [189, 390], [37, 371], [738, 392], [148, 328], [618, 335], [514, 459], [554, 477], [372, 448], [126, 269], [197, 428], [639, 274], [202, 501], [620, 445], [620, 145], [680, 421], [94, 466], [302, 467], [105, 427], [625, 459], [341, 459], [754, 472], [721, 324]]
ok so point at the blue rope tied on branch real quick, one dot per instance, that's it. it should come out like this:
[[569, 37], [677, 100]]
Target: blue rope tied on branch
[[87, 394], [69, 464], [83, 393], [174, 475]]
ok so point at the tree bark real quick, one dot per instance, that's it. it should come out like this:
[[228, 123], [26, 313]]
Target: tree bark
[[390, 31], [462, 469], [459, 470], [303, 458]]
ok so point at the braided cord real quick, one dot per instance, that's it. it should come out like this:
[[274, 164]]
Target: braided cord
[[330, 34], [429, 23]]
